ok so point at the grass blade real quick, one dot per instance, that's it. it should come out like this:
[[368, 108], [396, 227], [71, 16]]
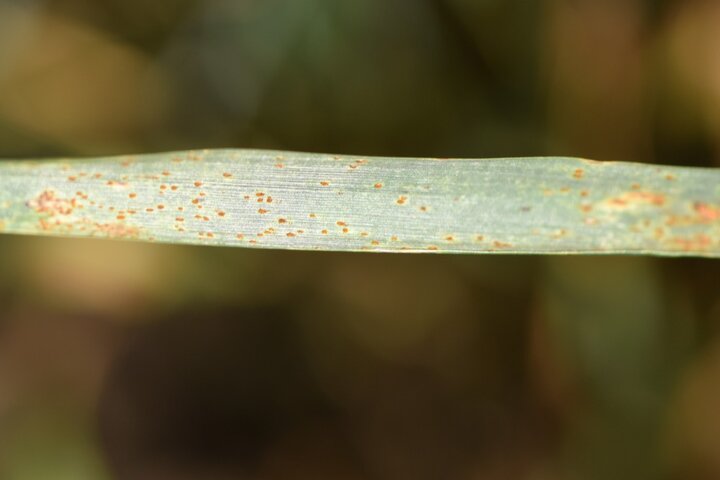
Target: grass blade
[[267, 199]]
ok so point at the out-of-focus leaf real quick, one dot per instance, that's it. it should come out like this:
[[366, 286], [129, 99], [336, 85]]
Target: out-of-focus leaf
[[269, 199]]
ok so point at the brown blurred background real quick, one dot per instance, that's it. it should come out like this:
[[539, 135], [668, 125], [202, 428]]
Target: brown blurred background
[[132, 361]]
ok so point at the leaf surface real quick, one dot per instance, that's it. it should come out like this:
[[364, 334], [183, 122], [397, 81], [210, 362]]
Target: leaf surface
[[285, 200]]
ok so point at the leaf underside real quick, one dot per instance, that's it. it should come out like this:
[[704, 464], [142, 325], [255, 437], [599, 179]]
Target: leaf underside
[[302, 201]]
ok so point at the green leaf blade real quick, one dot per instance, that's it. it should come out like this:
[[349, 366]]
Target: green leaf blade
[[285, 200]]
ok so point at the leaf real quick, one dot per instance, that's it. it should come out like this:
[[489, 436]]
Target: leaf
[[267, 199]]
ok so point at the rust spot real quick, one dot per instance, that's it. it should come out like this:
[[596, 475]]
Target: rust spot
[[117, 230], [301, 232], [584, 193], [401, 200], [174, 188], [670, 178], [221, 213], [479, 238], [195, 201], [166, 173], [324, 232], [345, 230], [312, 215], [638, 197], [72, 178], [432, 247], [262, 211], [449, 238], [279, 165], [325, 183], [269, 199], [290, 234], [706, 212], [635, 186], [341, 224], [198, 184], [698, 242], [120, 217], [498, 244], [260, 194], [579, 173], [161, 207], [163, 187], [260, 200], [375, 243], [240, 236], [48, 202], [378, 185], [586, 208], [246, 197], [97, 175], [179, 219], [423, 208], [364, 234], [253, 242], [394, 238], [282, 221], [227, 174], [132, 195], [149, 210]]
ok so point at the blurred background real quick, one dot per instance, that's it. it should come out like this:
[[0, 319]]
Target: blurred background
[[133, 361]]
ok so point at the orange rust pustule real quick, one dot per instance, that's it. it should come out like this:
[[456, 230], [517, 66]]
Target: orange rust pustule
[[578, 173], [49, 203], [116, 230], [699, 242], [638, 198], [707, 213]]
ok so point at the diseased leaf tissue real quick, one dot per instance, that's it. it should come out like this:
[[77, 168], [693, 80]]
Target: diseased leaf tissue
[[267, 199]]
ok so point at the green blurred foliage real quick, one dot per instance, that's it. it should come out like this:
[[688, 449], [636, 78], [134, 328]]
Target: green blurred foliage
[[122, 360]]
